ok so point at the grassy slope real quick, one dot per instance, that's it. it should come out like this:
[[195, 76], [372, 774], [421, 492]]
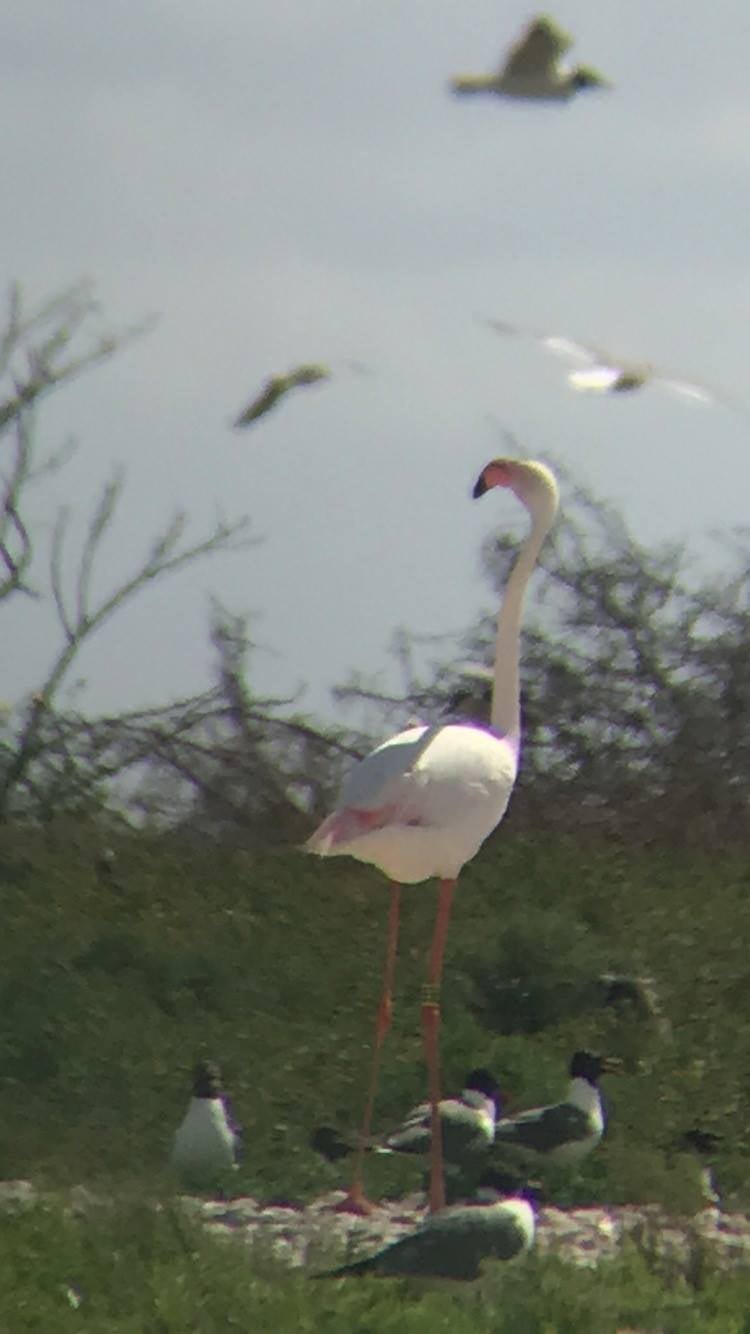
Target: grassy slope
[[271, 963]]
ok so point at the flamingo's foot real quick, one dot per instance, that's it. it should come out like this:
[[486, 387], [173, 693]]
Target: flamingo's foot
[[355, 1202]]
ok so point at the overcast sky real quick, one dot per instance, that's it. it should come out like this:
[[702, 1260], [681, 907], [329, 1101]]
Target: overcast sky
[[284, 181]]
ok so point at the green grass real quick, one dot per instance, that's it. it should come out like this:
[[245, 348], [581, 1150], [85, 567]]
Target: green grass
[[270, 962], [138, 1270]]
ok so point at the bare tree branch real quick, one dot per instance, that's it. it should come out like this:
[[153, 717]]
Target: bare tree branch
[[56, 570], [165, 557], [35, 368], [98, 525]]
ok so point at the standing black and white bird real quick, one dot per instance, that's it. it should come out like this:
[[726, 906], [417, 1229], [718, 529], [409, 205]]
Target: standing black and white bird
[[206, 1143], [496, 1224], [564, 1132], [467, 1124], [534, 68], [467, 1121]]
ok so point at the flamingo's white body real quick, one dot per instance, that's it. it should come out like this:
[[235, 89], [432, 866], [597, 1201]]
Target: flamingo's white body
[[421, 804]]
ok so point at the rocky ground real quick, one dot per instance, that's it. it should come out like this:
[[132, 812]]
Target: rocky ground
[[315, 1235], [304, 1236]]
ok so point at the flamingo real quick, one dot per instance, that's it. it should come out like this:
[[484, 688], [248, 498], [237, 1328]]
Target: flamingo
[[421, 804]]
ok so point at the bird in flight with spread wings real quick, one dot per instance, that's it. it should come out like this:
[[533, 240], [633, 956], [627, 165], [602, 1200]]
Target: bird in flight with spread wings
[[277, 387], [597, 371], [534, 68]]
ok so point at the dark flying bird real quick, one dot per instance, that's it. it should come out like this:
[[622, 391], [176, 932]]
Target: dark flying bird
[[534, 68], [206, 1143], [276, 388], [467, 1124], [564, 1132], [498, 1224], [597, 371]]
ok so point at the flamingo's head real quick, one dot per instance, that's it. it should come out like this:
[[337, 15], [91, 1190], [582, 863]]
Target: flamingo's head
[[534, 483]]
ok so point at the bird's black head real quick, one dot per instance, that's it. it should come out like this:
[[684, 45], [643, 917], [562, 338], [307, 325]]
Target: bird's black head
[[700, 1141], [507, 1184], [206, 1080], [483, 1081], [585, 77], [587, 1065], [329, 1143]]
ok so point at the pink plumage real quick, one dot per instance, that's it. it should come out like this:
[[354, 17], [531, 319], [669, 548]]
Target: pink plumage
[[422, 803]]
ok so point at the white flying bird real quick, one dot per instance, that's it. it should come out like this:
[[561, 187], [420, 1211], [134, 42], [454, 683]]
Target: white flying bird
[[597, 371], [534, 68]]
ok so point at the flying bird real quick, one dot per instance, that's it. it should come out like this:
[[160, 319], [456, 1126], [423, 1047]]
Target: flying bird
[[467, 1125], [597, 371], [423, 802], [276, 388], [498, 1224], [564, 1132], [534, 68], [206, 1144]]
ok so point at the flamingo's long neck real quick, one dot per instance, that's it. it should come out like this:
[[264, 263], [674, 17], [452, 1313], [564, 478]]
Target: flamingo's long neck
[[505, 716]]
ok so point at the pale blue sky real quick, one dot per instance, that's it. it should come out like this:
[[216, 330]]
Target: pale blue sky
[[285, 182]]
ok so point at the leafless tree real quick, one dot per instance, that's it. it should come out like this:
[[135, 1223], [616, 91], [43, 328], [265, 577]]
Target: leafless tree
[[221, 758], [40, 352]]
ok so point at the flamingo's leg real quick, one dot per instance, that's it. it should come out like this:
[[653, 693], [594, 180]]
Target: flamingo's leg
[[355, 1200], [431, 1036]]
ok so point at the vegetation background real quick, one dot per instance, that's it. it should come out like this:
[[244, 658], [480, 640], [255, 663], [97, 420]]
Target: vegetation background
[[157, 908]]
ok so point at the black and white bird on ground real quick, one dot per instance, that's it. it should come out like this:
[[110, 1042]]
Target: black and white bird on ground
[[497, 1224], [467, 1122], [565, 1132], [206, 1144]]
